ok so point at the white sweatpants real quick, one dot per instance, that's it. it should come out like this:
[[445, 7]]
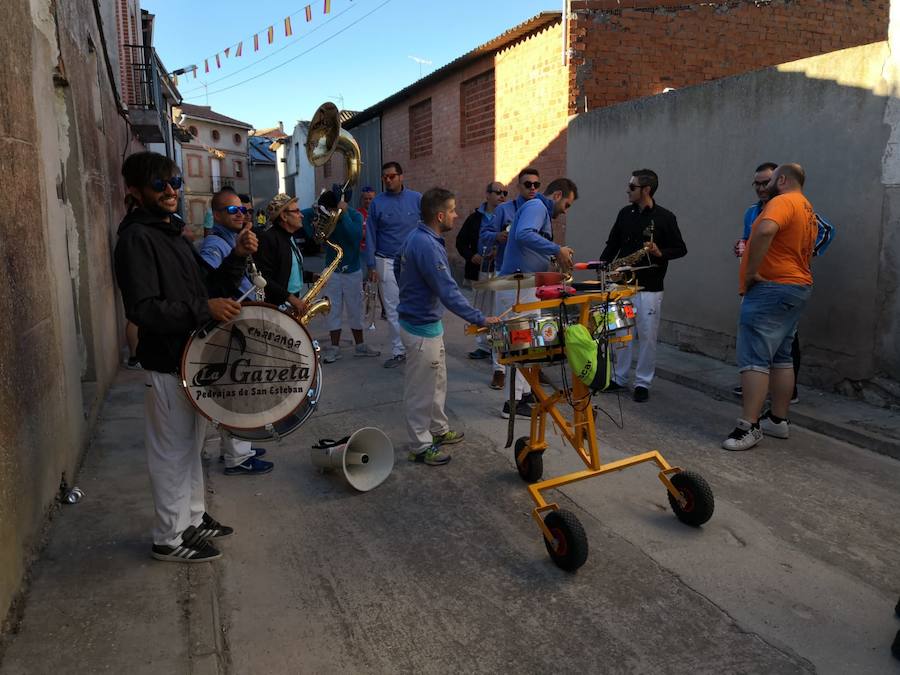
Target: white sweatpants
[[424, 389], [235, 451], [174, 434], [647, 308], [390, 296], [503, 300], [483, 300], [346, 295]]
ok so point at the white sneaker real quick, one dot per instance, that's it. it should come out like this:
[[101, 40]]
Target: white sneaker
[[332, 354], [744, 436], [365, 350], [769, 428]]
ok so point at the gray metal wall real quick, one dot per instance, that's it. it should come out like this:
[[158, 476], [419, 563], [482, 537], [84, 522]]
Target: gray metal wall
[[368, 135], [827, 113]]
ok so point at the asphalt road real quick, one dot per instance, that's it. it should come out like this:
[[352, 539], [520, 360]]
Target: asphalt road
[[441, 569]]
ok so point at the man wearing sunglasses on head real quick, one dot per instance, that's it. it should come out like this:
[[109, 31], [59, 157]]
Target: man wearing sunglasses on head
[[479, 262], [393, 214], [230, 217], [643, 225], [168, 291], [493, 238]]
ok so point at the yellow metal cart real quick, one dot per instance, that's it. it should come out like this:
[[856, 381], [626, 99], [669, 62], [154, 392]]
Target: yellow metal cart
[[689, 494]]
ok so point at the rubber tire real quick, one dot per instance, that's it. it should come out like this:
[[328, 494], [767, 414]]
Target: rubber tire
[[532, 468], [700, 502], [567, 529]]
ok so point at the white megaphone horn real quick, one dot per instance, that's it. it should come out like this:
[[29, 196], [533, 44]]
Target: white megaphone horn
[[366, 457]]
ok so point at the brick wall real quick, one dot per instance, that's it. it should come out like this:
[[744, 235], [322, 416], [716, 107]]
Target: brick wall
[[634, 48], [531, 110]]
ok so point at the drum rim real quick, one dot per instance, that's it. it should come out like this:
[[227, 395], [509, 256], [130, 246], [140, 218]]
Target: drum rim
[[250, 303]]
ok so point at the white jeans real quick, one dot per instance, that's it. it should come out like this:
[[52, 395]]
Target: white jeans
[[647, 308], [390, 296], [483, 299], [174, 434], [503, 300], [425, 389], [235, 451], [345, 292]]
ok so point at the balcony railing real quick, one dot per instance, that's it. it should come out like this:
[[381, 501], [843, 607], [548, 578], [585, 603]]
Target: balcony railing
[[142, 93]]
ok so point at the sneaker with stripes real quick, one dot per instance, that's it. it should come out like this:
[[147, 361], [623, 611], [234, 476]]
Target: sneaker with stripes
[[210, 528], [193, 549]]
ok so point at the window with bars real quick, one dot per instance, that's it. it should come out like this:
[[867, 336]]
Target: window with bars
[[420, 139], [476, 110]]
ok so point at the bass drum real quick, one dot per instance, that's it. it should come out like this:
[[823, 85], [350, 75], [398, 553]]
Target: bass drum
[[258, 376]]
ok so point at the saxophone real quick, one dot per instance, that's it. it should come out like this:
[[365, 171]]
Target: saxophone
[[628, 260], [322, 305]]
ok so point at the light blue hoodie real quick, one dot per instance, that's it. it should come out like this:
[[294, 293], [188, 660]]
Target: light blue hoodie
[[529, 246]]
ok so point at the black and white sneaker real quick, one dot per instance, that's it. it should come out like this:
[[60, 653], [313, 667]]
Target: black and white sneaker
[[193, 549], [522, 410], [770, 428], [210, 528], [744, 436]]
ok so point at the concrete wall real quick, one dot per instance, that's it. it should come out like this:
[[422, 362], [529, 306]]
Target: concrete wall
[[826, 112], [61, 144]]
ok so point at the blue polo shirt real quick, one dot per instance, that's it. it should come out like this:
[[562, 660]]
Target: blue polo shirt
[[392, 216]]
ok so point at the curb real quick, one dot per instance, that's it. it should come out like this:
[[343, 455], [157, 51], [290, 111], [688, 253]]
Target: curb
[[854, 435]]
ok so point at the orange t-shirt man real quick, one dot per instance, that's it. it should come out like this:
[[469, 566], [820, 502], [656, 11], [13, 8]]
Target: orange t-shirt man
[[787, 260]]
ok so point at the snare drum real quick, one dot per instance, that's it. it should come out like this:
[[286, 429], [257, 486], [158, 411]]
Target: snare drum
[[615, 316], [258, 375]]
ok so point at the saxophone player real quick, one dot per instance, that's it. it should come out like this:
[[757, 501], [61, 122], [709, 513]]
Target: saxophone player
[[279, 259], [643, 225]]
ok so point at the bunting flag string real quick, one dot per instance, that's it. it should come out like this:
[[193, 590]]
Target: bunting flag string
[[238, 48]]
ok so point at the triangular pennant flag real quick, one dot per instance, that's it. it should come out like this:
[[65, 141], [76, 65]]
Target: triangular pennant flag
[[287, 27], [239, 49], [227, 51], [256, 42], [327, 7], [271, 34], [308, 13], [206, 65], [218, 62], [195, 72]]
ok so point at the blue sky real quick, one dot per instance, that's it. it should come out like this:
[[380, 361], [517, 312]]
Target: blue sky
[[366, 60]]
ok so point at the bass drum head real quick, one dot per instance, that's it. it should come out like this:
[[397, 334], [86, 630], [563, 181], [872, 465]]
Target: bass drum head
[[253, 372]]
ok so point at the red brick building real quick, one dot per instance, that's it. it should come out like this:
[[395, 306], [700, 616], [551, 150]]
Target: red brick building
[[506, 104]]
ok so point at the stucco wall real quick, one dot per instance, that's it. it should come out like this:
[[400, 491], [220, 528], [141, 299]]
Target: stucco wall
[[826, 112], [61, 144]]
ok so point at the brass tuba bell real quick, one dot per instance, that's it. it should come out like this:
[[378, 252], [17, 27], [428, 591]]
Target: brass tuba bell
[[325, 136]]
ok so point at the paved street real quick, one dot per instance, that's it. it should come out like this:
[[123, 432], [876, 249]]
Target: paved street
[[443, 570]]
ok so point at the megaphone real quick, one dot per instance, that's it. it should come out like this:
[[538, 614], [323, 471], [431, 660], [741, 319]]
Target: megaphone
[[366, 457]]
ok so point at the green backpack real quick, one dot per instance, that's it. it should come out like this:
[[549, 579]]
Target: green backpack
[[588, 358]]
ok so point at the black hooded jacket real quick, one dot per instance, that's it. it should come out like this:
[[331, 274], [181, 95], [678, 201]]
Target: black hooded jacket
[[166, 285]]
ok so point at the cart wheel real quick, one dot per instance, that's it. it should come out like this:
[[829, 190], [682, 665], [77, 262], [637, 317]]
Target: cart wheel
[[571, 549], [532, 467], [698, 496]]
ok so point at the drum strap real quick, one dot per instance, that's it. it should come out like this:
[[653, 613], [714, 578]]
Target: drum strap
[[511, 427]]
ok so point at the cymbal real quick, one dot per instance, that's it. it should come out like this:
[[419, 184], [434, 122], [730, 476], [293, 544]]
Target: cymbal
[[511, 282]]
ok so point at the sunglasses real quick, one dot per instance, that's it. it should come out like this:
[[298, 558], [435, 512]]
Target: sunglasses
[[231, 210], [760, 183], [291, 211], [159, 185], [632, 187], [389, 176], [532, 184], [499, 192]]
